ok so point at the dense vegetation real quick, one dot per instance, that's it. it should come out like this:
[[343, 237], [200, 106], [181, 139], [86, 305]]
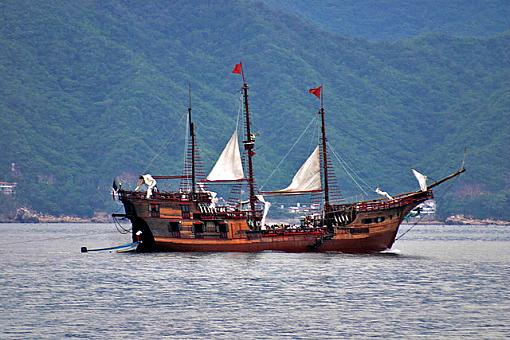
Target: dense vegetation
[[92, 90], [393, 20]]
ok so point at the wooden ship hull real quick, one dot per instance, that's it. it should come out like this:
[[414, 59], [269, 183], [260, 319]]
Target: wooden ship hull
[[362, 227]]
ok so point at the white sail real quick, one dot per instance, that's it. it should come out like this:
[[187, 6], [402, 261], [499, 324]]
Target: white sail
[[229, 166], [422, 180], [308, 177]]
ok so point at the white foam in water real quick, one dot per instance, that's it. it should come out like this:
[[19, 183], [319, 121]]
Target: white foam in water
[[391, 251]]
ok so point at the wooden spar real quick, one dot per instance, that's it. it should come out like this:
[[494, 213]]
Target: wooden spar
[[170, 177], [288, 193], [455, 174], [249, 145], [192, 134], [324, 154], [224, 181]]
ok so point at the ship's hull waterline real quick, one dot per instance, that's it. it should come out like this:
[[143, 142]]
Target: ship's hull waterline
[[285, 243], [373, 229]]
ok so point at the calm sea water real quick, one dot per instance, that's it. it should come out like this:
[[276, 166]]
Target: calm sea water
[[440, 282]]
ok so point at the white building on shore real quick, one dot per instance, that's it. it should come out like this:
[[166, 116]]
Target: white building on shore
[[7, 188]]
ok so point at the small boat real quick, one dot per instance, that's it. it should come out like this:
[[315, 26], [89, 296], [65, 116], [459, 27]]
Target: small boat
[[190, 220], [128, 248], [124, 248]]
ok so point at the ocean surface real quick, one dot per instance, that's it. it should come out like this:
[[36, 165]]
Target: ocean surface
[[438, 282]]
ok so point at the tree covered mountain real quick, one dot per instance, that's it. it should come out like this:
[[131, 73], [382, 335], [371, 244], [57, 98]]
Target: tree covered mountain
[[92, 90], [394, 20]]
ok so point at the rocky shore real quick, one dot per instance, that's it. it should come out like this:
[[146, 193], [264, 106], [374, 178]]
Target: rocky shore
[[25, 215], [464, 220]]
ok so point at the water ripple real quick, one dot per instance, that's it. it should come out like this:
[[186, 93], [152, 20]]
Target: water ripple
[[445, 282]]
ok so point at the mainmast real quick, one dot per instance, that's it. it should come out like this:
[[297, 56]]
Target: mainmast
[[324, 153], [249, 145], [192, 135]]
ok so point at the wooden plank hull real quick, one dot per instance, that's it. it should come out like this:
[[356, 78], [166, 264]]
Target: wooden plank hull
[[372, 227], [377, 239]]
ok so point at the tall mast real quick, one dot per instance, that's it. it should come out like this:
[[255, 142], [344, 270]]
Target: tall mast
[[249, 145], [192, 135], [324, 154]]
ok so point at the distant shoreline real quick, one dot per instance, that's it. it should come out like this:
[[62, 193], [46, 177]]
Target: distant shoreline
[[64, 219], [24, 215]]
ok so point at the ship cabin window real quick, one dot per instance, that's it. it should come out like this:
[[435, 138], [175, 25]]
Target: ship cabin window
[[198, 230], [223, 230], [175, 229], [358, 231], [373, 220], [185, 211], [154, 210]]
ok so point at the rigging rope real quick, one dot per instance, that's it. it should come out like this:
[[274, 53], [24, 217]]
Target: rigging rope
[[239, 109], [386, 154], [288, 152], [342, 162], [315, 140], [375, 147], [350, 164], [164, 145]]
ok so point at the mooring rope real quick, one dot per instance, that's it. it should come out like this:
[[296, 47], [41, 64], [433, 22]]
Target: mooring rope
[[119, 227]]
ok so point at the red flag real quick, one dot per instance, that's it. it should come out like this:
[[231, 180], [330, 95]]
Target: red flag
[[237, 69], [316, 91]]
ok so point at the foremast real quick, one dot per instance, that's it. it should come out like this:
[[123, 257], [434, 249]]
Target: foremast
[[193, 146], [249, 146]]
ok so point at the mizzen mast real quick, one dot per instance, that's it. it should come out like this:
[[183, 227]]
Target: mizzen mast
[[318, 92], [324, 154]]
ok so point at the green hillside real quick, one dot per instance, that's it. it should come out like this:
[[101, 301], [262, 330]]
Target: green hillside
[[92, 90], [393, 20]]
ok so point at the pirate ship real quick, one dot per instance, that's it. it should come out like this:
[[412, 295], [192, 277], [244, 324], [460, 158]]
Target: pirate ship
[[191, 221]]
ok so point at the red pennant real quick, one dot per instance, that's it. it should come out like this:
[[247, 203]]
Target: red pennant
[[316, 91], [237, 69]]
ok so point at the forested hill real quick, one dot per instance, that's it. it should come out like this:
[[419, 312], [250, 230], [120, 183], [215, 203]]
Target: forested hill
[[393, 20], [97, 89]]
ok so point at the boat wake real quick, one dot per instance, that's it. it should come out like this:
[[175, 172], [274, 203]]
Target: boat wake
[[393, 252]]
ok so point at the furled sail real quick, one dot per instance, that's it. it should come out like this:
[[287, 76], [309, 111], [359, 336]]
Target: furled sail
[[308, 177], [229, 166], [383, 193], [422, 180], [267, 205]]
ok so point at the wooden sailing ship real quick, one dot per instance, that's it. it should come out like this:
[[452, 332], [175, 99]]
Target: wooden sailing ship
[[189, 220]]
